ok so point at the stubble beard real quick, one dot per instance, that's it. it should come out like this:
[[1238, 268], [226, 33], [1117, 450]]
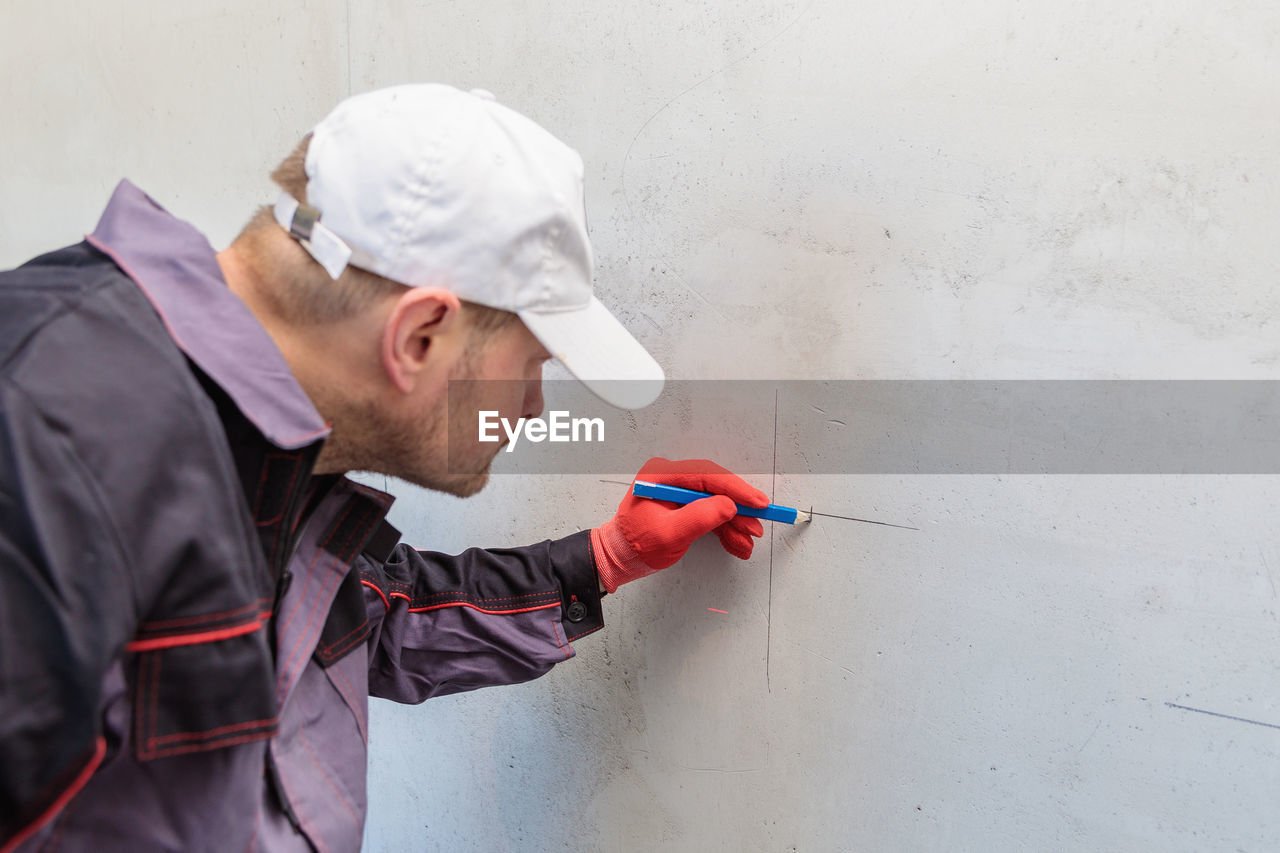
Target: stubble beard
[[415, 447]]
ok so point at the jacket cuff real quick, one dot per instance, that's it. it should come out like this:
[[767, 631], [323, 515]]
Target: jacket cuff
[[575, 567]]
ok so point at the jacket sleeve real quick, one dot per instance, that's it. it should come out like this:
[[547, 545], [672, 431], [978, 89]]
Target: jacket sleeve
[[66, 609], [446, 624], [113, 485]]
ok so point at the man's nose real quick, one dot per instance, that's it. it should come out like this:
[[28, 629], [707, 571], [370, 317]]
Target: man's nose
[[533, 402]]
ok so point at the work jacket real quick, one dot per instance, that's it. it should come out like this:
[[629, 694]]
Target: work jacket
[[192, 623]]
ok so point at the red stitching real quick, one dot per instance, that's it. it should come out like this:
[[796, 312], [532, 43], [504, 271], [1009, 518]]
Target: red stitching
[[208, 617], [212, 743], [321, 847], [155, 700], [262, 484], [139, 702], [253, 837], [381, 498], [55, 840], [302, 597], [502, 608], [323, 590], [208, 733], [275, 539], [584, 633], [194, 639], [363, 625], [334, 652], [359, 530], [547, 596], [63, 799], [374, 587], [542, 594], [324, 430], [94, 241], [302, 735], [297, 810], [481, 610], [170, 751], [412, 609], [286, 676], [555, 631], [353, 701], [257, 504]]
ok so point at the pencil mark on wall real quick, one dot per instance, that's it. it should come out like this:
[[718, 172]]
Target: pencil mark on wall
[[835, 663], [662, 109], [626, 158], [1223, 716], [720, 769], [773, 490], [1270, 577], [348, 11], [1090, 737]]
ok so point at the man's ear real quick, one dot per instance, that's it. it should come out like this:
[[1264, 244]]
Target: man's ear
[[420, 322]]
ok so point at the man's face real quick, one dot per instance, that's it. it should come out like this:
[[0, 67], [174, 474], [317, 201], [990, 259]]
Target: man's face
[[438, 446], [504, 376]]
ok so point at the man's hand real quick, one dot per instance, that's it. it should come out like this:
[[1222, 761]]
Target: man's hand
[[645, 535]]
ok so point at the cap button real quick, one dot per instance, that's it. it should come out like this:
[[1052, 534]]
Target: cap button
[[484, 94]]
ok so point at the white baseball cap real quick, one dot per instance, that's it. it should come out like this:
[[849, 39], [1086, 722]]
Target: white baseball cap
[[425, 184]]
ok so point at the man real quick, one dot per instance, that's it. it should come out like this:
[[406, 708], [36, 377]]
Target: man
[[196, 602]]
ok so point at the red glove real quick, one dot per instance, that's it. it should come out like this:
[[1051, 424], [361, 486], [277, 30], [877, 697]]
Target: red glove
[[646, 535]]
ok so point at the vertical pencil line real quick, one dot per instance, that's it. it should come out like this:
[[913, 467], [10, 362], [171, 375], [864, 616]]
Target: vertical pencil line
[[773, 486], [349, 84], [773, 491]]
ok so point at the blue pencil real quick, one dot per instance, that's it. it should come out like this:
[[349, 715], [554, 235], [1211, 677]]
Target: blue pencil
[[675, 494]]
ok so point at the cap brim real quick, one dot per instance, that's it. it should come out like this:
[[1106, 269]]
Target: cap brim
[[600, 353]]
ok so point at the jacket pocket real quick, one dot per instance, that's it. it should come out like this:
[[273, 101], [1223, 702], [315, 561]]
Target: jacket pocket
[[202, 692]]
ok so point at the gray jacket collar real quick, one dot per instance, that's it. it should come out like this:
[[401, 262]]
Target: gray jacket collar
[[178, 271]]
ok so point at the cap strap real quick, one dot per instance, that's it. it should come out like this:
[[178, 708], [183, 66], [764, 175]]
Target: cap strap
[[303, 224]]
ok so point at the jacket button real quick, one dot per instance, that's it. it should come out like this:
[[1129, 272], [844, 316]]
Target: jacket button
[[577, 611]]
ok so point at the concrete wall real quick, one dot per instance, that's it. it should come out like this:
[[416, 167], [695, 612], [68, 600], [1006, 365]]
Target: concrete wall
[[808, 190]]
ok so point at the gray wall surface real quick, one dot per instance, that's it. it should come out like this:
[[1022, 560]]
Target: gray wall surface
[[888, 189]]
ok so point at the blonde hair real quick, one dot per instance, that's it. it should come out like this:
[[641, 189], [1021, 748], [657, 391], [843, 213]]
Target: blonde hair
[[301, 292]]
